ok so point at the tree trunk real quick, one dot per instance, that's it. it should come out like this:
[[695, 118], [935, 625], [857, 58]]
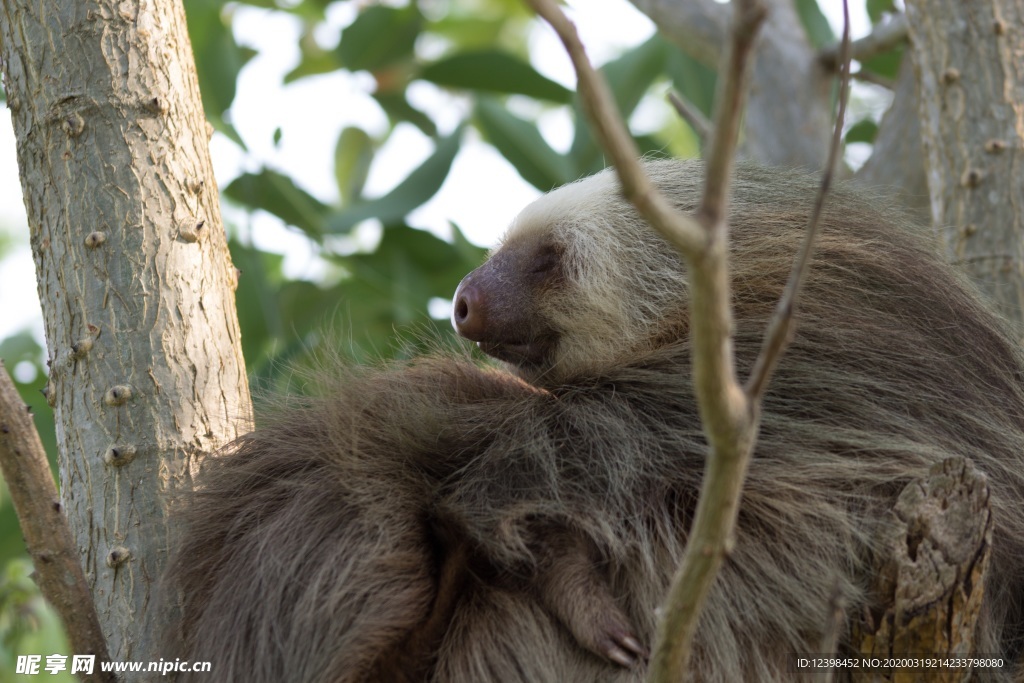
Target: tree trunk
[[137, 287], [967, 56]]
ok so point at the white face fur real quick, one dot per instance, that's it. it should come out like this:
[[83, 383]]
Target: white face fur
[[621, 280]]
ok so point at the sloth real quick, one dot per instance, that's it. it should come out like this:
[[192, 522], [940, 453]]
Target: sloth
[[454, 520]]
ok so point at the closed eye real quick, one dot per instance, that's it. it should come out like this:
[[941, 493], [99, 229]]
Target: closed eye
[[547, 258]]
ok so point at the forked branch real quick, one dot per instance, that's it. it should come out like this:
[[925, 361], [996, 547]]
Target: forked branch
[[729, 413]]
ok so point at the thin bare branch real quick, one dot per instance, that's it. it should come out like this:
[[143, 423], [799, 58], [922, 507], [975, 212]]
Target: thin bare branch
[[46, 531], [884, 37], [680, 230], [728, 418], [693, 117], [783, 324], [874, 79]]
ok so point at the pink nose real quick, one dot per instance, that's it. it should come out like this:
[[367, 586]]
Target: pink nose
[[468, 311]]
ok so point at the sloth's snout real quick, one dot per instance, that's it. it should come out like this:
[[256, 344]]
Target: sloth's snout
[[469, 316]]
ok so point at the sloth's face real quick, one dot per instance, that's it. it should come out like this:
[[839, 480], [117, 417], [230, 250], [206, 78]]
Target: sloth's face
[[579, 284], [501, 304]]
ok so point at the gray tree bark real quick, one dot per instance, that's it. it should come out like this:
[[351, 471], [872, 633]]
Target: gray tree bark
[[970, 77], [137, 287], [896, 164]]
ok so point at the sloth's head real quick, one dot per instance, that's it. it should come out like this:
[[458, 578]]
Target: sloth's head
[[578, 282]]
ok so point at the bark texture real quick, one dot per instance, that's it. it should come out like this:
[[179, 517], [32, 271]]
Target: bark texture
[[970, 74], [134, 276], [932, 582]]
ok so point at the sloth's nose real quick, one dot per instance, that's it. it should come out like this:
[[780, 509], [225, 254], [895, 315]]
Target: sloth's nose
[[468, 310]]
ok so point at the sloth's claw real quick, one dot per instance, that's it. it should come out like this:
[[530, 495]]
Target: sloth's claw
[[621, 647], [620, 657], [634, 646]]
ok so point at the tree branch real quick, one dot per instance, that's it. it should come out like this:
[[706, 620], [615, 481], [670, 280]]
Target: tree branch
[[883, 38], [896, 164], [693, 117], [726, 415], [873, 79], [970, 98], [783, 323], [729, 101], [47, 535], [729, 414], [789, 115], [684, 233]]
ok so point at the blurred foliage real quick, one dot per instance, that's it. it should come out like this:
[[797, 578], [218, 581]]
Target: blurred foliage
[[27, 624], [23, 357], [475, 51], [862, 131], [815, 23], [478, 56]]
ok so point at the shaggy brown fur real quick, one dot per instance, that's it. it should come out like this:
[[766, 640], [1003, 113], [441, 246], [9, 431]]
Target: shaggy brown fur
[[437, 520]]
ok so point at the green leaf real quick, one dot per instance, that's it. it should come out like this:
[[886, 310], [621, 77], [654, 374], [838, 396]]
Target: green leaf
[[418, 187], [380, 36], [19, 347], [651, 147], [409, 268], [886, 64], [818, 29], [522, 145], [258, 311], [23, 347], [278, 194], [629, 77], [693, 80], [469, 32], [494, 71], [631, 74], [352, 157], [469, 254], [218, 57], [878, 8], [264, 4], [310, 10], [304, 305], [314, 61], [15, 349], [864, 130], [398, 109]]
